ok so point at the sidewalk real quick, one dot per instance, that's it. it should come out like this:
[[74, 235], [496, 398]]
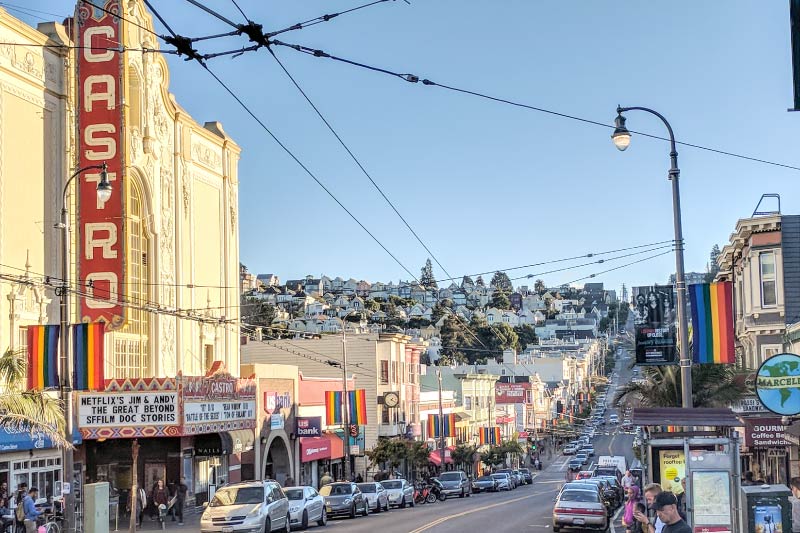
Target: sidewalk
[[191, 523]]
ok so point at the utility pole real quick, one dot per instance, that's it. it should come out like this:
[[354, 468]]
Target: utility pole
[[345, 403], [441, 418]]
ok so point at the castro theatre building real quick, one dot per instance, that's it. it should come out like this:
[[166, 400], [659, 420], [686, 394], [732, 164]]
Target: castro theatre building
[[158, 263]]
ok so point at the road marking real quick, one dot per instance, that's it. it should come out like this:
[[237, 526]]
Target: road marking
[[614, 519], [476, 510]]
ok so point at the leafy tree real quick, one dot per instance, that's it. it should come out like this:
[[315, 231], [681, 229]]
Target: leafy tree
[[426, 278], [441, 309], [479, 282], [500, 280], [712, 386], [499, 337], [256, 311], [454, 337], [510, 449], [713, 267], [417, 455], [466, 281], [492, 457], [500, 300], [28, 411], [388, 451], [539, 286], [463, 456], [526, 334], [371, 305]]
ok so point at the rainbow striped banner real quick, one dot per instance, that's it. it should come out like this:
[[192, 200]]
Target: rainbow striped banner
[[434, 425], [489, 435], [357, 402], [89, 349], [333, 407], [712, 323], [43, 357]]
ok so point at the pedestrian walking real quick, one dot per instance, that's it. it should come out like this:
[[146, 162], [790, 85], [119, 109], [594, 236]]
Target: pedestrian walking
[[160, 496], [180, 493], [141, 505]]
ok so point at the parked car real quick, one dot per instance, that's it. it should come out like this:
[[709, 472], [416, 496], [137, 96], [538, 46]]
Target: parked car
[[614, 482], [613, 419], [569, 449], [503, 481], [584, 474], [575, 464], [248, 506], [400, 492], [527, 475], [456, 483], [485, 484], [578, 508], [305, 505], [376, 495], [607, 494], [514, 481], [344, 499], [588, 449], [583, 456]]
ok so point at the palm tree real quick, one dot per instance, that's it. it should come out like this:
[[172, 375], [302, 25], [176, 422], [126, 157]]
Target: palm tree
[[31, 411], [511, 448], [712, 386], [463, 456]]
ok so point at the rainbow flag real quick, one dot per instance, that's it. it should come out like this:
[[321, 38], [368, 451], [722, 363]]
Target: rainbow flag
[[43, 357], [333, 407], [434, 425], [489, 435], [89, 350], [712, 323], [357, 402]]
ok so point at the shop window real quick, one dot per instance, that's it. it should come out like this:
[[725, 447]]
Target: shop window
[[385, 372], [384, 416]]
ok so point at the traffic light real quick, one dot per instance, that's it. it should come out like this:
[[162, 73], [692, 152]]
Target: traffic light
[[533, 446]]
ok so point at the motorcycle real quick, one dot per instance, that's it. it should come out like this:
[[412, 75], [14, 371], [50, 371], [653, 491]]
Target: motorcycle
[[436, 491]]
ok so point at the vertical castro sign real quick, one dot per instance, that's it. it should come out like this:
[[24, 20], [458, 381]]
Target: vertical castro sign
[[101, 228]]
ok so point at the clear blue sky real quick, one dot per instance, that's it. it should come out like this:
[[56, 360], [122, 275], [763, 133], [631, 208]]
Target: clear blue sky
[[487, 185]]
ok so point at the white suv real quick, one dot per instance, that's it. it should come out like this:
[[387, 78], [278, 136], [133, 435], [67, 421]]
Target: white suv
[[248, 507]]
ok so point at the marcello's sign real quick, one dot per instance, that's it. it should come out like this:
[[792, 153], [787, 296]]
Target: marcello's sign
[[778, 384]]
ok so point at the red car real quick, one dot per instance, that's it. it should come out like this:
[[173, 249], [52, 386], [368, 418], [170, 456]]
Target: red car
[[584, 474]]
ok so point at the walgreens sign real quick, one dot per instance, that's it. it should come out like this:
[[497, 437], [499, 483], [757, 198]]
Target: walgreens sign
[[511, 392], [101, 228]]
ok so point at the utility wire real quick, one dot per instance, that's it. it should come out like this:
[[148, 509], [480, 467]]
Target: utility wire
[[235, 3], [356, 160], [412, 78], [120, 48]]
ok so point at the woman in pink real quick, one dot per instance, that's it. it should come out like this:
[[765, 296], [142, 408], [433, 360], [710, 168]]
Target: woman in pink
[[633, 498]]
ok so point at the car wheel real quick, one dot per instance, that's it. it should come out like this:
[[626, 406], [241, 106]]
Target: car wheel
[[304, 522], [378, 505], [267, 526], [287, 527], [366, 508], [403, 502], [353, 511], [323, 518], [413, 503], [386, 507]]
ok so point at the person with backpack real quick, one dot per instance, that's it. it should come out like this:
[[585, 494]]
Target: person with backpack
[[19, 508]]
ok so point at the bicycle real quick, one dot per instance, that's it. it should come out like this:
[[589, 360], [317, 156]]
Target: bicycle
[[51, 522]]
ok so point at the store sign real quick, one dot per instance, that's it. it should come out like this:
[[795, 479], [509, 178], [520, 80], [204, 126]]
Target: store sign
[[748, 404], [101, 225], [308, 426], [315, 448], [778, 384], [212, 412], [511, 392], [128, 409], [274, 401], [764, 432]]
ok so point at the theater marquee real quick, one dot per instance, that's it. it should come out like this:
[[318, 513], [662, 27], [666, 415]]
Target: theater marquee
[[101, 228]]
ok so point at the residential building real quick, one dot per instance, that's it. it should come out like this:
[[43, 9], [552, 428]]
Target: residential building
[[762, 259]]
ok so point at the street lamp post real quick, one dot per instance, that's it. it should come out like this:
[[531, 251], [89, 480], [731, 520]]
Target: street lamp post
[[345, 400], [103, 194], [622, 139]]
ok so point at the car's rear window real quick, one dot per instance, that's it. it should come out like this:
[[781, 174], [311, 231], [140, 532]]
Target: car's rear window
[[392, 484], [335, 490], [450, 476], [237, 496], [367, 487], [581, 496]]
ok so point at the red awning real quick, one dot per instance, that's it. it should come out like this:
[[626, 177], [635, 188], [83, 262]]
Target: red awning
[[435, 457], [314, 448], [337, 446]]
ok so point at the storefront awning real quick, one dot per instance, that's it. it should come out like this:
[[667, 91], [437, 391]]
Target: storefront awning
[[224, 442], [11, 441], [314, 448], [337, 446], [436, 458]]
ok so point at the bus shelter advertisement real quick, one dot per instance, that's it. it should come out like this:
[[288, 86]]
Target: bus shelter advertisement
[[672, 469], [654, 317]]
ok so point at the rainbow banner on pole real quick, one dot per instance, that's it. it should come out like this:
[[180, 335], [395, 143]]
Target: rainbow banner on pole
[[43, 357], [434, 426], [89, 350], [489, 435], [712, 323], [333, 407], [357, 402]]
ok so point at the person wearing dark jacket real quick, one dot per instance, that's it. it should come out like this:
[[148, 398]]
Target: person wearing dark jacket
[[160, 496]]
